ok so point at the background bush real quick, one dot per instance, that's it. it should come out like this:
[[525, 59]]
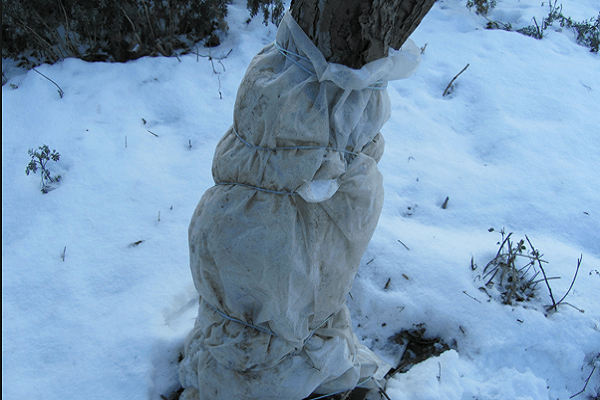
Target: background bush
[[587, 32], [114, 30]]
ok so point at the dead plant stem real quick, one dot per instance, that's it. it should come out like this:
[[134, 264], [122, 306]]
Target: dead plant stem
[[453, 79], [573, 281], [50, 48], [133, 28], [536, 255], [586, 383], [61, 46], [70, 47], [60, 91]]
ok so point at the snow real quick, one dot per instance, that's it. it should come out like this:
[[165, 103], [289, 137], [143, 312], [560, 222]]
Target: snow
[[514, 146]]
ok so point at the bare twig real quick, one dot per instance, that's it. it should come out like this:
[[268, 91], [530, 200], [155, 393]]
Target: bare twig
[[133, 28], [453, 79], [573, 281], [44, 42], [586, 382], [571, 305], [533, 258], [210, 57], [171, 30], [513, 288], [468, 295], [69, 45], [506, 239], [61, 46], [218, 59], [60, 91], [381, 390], [545, 279], [149, 22], [445, 204], [387, 284], [400, 241], [495, 271], [536, 255], [157, 45]]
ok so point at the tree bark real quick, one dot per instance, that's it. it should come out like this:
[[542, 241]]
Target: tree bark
[[355, 32]]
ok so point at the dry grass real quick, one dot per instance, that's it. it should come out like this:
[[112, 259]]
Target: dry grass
[[516, 271]]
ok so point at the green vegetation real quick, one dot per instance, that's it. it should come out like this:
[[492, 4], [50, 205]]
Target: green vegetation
[[35, 31], [39, 160]]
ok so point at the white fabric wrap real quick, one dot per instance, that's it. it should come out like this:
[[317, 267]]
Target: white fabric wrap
[[278, 261]]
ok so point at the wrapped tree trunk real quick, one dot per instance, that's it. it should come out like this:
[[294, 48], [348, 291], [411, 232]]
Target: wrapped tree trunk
[[276, 243], [356, 32]]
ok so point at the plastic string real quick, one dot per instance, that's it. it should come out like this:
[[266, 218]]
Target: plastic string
[[288, 54], [265, 330], [222, 314], [257, 188], [314, 330], [293, 147], [379, 85], [283, 148]]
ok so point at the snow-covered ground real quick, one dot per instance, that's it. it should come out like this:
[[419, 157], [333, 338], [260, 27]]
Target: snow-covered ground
[[97, 295]]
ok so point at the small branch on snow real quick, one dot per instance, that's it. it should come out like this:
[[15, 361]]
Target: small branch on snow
[[468, 295], [536, 256], [60, 91], [218, 59], [573, 281], [445, 204], [586, 383], [403, 244], [452, 81]]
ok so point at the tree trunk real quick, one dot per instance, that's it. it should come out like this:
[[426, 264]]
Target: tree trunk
[[355, 32]]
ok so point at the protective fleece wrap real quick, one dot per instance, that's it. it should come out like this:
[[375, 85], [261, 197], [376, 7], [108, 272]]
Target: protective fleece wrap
[[277, 241]]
